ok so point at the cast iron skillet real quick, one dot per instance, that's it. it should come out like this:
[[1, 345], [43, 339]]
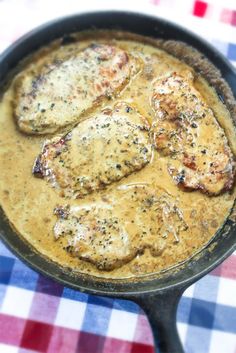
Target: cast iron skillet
[[157, 295]]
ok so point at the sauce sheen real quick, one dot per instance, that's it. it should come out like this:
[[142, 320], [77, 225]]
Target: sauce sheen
[[28, 202]]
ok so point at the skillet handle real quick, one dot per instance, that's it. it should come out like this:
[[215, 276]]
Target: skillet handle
[[161, 310]]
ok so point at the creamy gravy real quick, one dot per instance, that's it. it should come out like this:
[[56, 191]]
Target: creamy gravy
[[28, 202]]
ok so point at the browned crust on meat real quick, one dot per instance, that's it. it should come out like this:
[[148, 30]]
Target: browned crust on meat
[[43, 165], [203, 67], [180, 109], [104, 90]]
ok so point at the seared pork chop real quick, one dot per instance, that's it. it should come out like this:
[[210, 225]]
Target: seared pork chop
[[62, 91], [183, 129], [110, 233], [100, 150]]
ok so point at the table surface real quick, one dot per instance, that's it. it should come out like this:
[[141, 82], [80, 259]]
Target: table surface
[[39, 315]]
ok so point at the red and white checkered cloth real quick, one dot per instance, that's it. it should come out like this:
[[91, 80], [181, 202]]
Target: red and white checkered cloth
[[38, 315]]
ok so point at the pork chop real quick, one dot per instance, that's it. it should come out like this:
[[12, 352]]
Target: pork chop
[[63, 91], [96, 153], [111, 233], [186, 129]]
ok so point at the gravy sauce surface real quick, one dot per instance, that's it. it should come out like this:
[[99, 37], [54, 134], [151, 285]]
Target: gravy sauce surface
[[29, 202]]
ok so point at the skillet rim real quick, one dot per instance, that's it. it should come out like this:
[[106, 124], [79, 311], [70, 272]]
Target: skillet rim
[[85, 282]]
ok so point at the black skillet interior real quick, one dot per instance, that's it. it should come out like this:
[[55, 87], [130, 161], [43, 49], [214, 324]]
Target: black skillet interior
[[172, 283]]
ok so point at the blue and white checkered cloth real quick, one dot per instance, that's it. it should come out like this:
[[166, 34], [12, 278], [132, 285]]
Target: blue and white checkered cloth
[[38, 315]]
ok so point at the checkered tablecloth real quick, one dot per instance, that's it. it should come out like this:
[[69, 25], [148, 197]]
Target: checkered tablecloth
[[38, 315]]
